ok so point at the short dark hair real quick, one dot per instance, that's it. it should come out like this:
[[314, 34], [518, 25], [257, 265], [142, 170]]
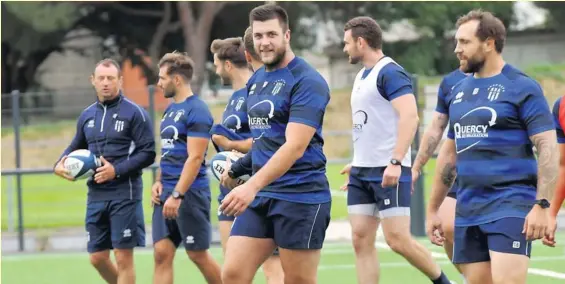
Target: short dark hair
[[248, 43], [179, 63], [489, 27], [366, 28], [107, 62], [231, 49], [267, 12]]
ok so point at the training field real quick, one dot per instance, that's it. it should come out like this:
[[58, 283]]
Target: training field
[[337, 267]]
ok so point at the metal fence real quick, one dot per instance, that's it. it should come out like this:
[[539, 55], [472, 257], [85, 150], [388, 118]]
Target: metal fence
[[13, 187]]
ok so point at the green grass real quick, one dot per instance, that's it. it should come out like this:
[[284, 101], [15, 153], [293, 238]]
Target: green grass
[[51, 202], [337, 266]]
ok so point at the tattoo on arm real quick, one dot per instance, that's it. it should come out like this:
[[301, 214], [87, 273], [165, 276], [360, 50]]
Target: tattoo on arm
[[432, 140], [548, 163], [448, 174]]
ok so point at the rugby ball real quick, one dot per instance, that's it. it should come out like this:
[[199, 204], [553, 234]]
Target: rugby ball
[[218, 165], [81, 164]]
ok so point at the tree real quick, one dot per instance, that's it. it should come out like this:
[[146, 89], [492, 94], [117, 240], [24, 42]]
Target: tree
[[556, 12]]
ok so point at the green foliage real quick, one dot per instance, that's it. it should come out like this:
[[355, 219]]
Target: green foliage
[[556, 13]]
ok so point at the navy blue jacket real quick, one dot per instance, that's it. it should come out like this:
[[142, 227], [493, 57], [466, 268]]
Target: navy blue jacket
[[122, 132]]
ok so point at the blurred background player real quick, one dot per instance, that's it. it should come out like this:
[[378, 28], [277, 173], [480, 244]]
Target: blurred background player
[[379, 187], [181, 194], [233, 133], [287, 201], [120, 133], [557, 201], [495, 116], [430, 140], [253, 59]]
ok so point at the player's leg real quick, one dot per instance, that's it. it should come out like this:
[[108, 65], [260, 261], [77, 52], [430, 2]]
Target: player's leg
[[249, 245], [166, 238], [509, 250], [224, 225], [447, 214], [394, 211], [128, 231], [361, 208], [299, 232], [196, 232], [99, 241], [470, 253], [272, 269]]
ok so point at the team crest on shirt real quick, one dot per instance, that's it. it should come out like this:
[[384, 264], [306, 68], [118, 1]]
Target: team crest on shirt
[[252, 89], [279, 85], [178, 115], [494, 91], [240, 102], [360, 118]]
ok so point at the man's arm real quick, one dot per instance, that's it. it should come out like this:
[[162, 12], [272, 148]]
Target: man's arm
[[144, 153], [430, 140], [537, 117], [242, 146], [243, 165], [548, 163], [395, 84], [196, 148], [307, 108], [408, 119], [444, 176], [559, 196]]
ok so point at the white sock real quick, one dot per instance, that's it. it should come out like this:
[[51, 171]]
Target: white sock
[[463, 276]]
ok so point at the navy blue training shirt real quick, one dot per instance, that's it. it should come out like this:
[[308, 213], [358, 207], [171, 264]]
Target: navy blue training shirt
[[122, 132], [447, 84], [190, 118], [299, 94], [492, 120]]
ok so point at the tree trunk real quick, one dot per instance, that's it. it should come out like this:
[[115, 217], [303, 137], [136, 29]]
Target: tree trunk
[[197, 36]]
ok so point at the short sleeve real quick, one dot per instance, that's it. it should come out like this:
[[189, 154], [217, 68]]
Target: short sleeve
[[534, 110], [557, 122], [442, 93], [199, 122], [308, 102], [393, 82]]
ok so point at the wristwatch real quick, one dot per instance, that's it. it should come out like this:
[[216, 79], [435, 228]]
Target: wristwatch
[[395, 162], [543, 203], [231, 174], [177, 195]]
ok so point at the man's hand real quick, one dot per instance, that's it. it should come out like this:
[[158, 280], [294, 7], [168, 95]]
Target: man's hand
[[549, 239], [391, 176], [61, 171], [225, 180], [345, 171], [222, 141], [104, 173], [171, 208], [237, 200], [415, 176], [156, 191], [536, 225], [434, 229]]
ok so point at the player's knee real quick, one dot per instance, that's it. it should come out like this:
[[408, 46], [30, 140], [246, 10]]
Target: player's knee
[[163, 257], [124, 258], [99, 259], [362, 240], [232, 274], [398, 241], [199, 257]]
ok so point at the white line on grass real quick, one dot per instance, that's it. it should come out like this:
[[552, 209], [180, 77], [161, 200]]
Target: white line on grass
[[546, 273]]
